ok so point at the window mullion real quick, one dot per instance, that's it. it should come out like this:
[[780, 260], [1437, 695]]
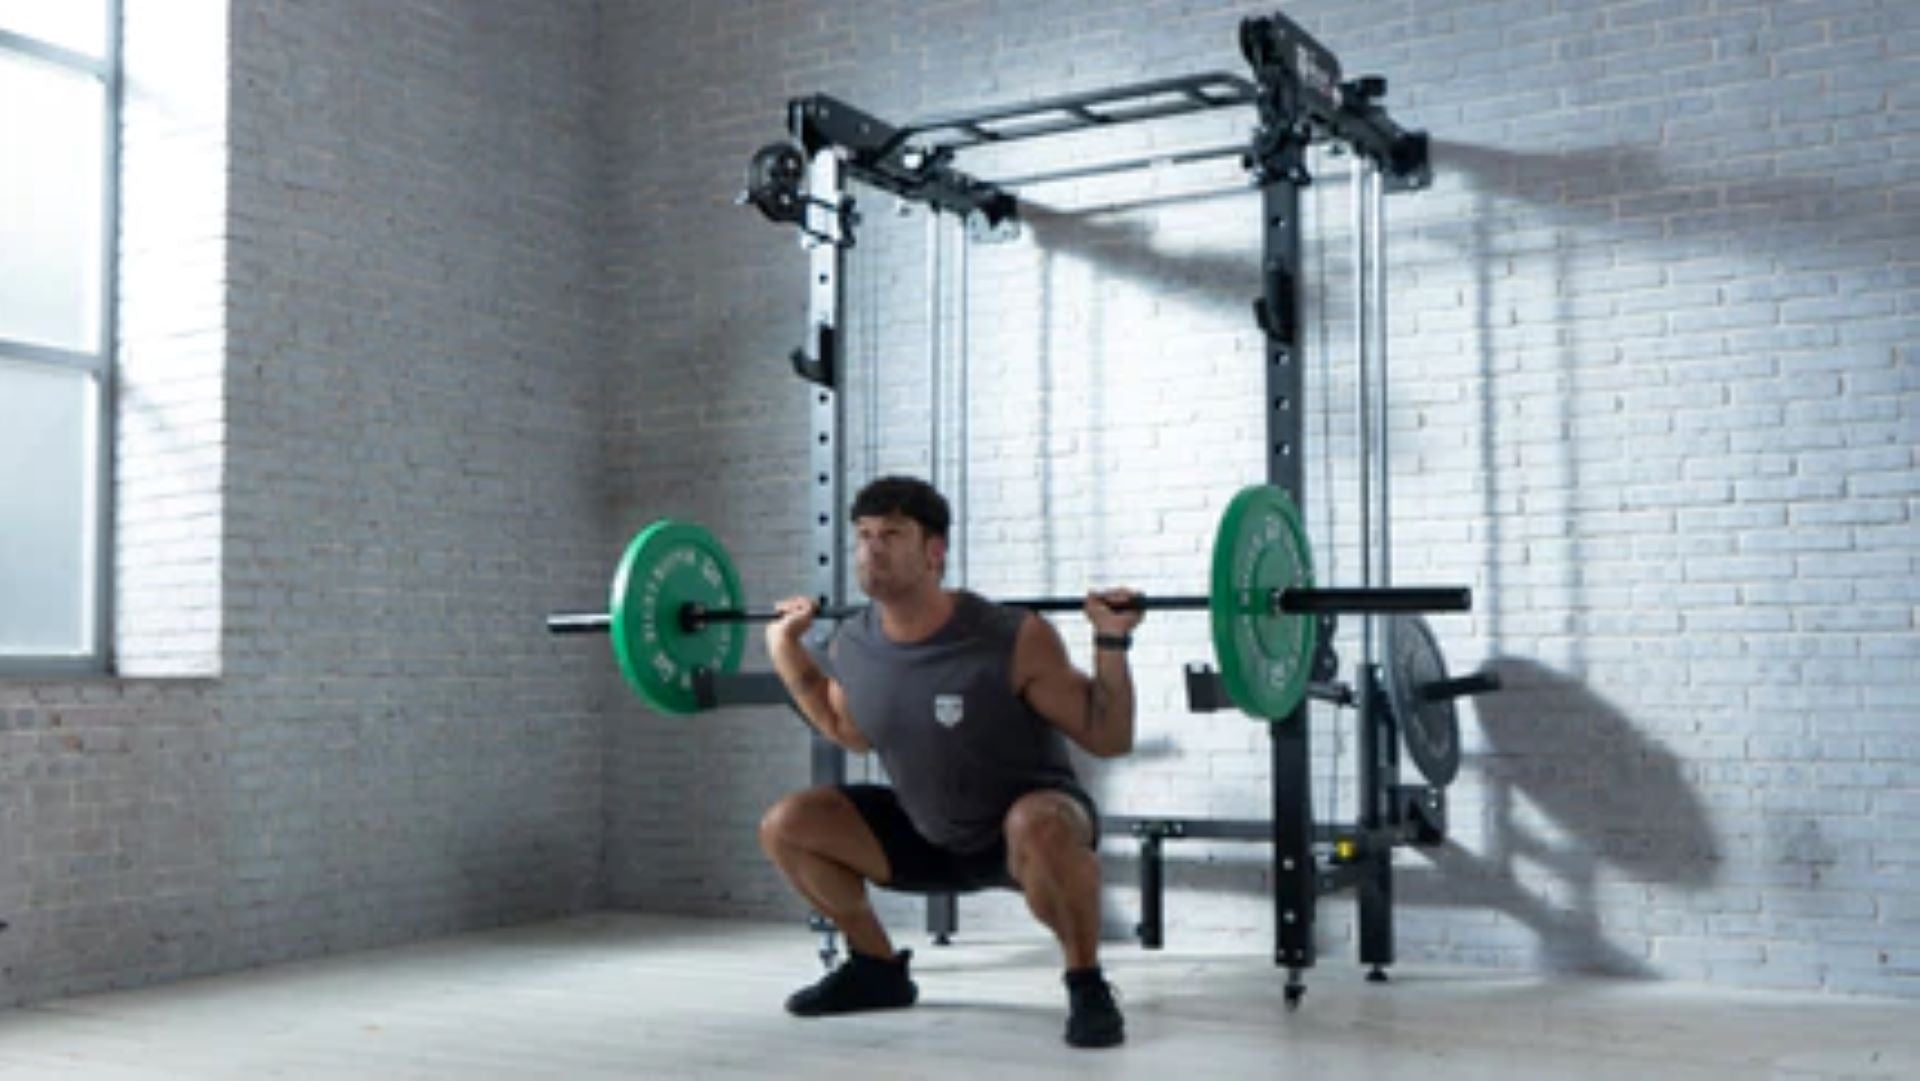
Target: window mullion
[[95, 362], [99, 67]]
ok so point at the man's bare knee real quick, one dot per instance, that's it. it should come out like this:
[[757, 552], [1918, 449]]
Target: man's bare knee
[[800, 819], [1045, 827], [822, 822], [777, 826]]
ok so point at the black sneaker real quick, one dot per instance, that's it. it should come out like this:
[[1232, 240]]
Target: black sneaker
[[861, 983], [1093, 1020]]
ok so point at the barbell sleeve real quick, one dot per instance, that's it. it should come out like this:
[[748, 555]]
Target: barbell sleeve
[[1377, 600], [1464, 686], [579, 623]]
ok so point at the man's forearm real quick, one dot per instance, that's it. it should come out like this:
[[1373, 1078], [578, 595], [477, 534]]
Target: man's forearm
[[1110, 704]]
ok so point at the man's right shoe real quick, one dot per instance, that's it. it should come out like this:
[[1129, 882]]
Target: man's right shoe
[[860, 983]]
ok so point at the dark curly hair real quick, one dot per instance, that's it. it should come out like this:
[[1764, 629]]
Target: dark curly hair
[[909, 497]]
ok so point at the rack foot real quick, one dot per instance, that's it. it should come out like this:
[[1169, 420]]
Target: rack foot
[[1296, 990]]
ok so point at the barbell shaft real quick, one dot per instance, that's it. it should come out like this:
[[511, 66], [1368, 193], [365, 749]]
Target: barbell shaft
[[694, 615], [1296, 601]]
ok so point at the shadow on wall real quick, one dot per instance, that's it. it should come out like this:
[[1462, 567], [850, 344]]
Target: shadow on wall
[[1110, 245], [1698, 195], [1124, 247], [1118, 242], [1627, 801], [1570, 788], [1577, 199]]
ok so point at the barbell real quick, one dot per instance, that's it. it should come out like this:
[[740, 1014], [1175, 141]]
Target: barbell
[[674, 607]]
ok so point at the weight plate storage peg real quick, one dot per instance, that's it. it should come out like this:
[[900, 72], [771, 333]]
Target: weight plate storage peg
[[1415, 675], [668, 566], [773, 183], [1265, 653]]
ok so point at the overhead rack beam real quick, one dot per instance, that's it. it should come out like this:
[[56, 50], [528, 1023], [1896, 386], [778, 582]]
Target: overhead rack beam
[[1078, 112]]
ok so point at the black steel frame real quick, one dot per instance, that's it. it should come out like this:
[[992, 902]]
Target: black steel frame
[[1301, 99]]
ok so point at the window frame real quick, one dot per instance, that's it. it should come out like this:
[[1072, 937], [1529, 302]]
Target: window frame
[[99, 362]]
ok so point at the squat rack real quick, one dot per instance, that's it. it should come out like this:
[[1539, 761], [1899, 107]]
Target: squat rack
[[1300, 97]]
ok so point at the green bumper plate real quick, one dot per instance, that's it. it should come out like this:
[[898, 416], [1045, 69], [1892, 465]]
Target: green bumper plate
[[668, 565], [1265, 655]]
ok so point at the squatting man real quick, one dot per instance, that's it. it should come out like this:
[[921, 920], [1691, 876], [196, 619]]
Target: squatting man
[[969, 705]]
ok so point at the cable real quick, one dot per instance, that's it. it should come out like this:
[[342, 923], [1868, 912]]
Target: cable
[[933, 347], [962, 410]]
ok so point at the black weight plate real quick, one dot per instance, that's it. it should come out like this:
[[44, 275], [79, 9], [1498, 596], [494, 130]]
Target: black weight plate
[[1429, 726]]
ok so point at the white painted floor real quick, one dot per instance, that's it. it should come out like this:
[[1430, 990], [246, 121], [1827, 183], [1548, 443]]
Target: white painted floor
[[617, 995]]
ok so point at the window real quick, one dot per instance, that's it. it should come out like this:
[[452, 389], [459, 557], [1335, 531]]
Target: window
[[59, 121]]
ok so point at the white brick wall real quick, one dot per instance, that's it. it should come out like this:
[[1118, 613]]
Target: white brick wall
[[414, 369], [1654, 400], [360, 458], [172, 327]]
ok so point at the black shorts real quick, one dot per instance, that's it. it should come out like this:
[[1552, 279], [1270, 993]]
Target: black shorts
[[919, 865]]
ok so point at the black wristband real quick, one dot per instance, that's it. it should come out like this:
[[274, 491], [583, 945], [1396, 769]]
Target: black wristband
[[1121, 642]]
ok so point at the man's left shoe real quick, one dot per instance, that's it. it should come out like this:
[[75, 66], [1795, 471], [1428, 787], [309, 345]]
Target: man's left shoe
[[1093, 1019]]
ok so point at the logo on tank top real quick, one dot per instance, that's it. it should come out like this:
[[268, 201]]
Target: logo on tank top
[[948, 709]]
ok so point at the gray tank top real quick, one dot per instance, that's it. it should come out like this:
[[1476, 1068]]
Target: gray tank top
[[958, 743]]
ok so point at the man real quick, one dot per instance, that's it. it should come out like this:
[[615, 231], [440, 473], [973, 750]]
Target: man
[[966, 703]]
